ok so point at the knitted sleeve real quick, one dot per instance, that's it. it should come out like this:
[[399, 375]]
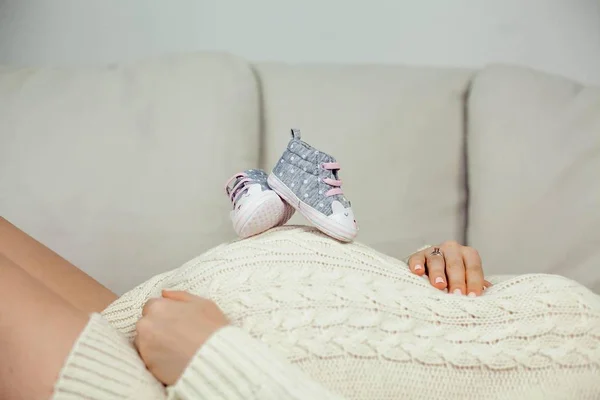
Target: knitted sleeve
[[232, 365]]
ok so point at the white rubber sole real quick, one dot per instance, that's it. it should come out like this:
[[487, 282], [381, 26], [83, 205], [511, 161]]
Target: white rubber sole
[[318, 219], [260, 215]]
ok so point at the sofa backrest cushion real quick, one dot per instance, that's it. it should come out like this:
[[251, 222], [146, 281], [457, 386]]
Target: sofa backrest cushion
[[534, 173], [120, 169], [397, 132]]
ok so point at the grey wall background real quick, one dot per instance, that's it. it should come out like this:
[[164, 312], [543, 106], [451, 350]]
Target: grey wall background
[[561, 36]]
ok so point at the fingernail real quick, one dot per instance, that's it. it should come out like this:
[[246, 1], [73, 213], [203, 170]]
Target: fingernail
[[418, 267], [472, 294], [457, 291], [439, 280]]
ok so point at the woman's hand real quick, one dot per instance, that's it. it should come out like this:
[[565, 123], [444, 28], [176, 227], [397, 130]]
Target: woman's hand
[[171, 331], [453, 267]]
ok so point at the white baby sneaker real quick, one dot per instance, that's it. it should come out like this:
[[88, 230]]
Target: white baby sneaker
[[308, 180], [256, 208]]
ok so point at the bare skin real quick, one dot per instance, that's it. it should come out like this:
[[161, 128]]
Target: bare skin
[[37, 330], [45, 304], [53, 271], [453, 267], [171, 330]]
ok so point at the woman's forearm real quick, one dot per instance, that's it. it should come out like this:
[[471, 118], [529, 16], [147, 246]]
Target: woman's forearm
[[234, 366]]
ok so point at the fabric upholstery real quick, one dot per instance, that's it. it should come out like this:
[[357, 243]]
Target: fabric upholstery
[[534, 173], [120, 169], [397, 133]]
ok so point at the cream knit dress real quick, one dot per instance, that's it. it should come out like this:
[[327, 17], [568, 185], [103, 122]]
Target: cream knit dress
[[313, 318]]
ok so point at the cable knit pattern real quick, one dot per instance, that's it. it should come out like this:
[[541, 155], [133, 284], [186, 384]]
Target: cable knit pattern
[[360, 324]]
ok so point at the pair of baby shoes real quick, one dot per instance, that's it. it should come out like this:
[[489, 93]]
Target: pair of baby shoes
[[304, 180]]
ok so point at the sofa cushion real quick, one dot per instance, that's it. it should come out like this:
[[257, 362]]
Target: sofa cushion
[[120, 169], [398, 134], [534, 173]]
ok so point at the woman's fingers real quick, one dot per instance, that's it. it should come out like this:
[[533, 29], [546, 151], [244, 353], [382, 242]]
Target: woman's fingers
[[452, 266], [436, 267], [475, 281], [149, 304], [416, 263], [455, 268], [178, 295]]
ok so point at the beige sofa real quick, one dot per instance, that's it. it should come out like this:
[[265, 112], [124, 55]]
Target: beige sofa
[[120, 169]]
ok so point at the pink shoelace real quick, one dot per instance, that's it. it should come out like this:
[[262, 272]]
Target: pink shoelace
[[336, 183], [239, 188]]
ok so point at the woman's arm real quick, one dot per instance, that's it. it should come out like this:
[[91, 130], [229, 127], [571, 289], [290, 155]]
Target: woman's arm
[[187, 343], [232, 365]]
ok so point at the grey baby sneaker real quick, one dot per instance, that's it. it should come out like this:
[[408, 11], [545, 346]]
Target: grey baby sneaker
[[256, 208], [308, 179]]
